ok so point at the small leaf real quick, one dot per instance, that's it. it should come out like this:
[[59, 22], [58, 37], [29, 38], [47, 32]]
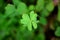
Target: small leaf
[[43, 21], [22, 8], [33, 17], [57, 32], [40, 5], [31, 7], [16, 2], [34, 25], [26, 21], [50, 6], [45, 13], [25, 18], [9, 9]]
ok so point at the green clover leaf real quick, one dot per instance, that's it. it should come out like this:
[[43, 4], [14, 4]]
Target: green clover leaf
[[50, 6], [9, 9], [31, 7], [26, 21], [16, 2], [40, 5], [29, 20], [21, 8], [33, 17]]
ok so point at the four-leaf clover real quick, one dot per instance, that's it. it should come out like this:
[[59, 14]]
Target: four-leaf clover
[[29, 20]]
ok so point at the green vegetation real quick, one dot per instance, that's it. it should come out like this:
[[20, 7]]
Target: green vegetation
[[20, 19]]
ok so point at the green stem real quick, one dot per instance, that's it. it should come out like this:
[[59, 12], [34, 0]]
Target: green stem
[[58, 16]]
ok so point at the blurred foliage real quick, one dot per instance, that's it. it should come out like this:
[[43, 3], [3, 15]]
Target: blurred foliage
[[20, 19], [57, 33]]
